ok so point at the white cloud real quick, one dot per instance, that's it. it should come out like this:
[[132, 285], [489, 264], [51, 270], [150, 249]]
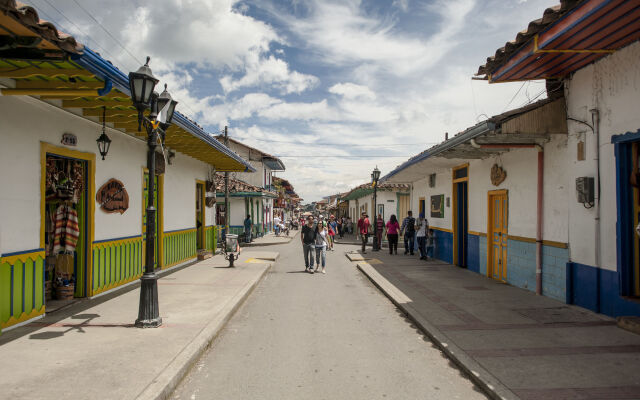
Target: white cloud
[[352, 91], [269, 72]]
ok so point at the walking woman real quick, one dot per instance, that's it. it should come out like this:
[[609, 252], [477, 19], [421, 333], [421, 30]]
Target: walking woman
[[321, 245], [333, 226], [392, 234]]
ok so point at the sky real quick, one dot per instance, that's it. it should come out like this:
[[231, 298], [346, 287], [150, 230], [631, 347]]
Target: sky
[[333, 88]]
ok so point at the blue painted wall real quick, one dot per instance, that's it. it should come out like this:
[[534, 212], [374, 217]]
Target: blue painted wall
[[473, 255], [598, 290], [443, 243], [521, 268], [482, 258]]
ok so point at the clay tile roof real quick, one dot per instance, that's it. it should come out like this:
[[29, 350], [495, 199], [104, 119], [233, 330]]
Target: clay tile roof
[[28, 16], [236, 185], [549, 16]]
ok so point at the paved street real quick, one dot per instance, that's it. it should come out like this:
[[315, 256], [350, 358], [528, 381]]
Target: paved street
[[332, 336]]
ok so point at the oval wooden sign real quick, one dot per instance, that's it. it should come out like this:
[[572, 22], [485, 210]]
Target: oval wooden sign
[[113, 197]]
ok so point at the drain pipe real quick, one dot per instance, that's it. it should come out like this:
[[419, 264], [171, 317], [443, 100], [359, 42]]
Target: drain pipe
[[539, 219], [595, 122]]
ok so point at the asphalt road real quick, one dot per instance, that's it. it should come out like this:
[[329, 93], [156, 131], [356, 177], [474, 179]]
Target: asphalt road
[[333, 336]]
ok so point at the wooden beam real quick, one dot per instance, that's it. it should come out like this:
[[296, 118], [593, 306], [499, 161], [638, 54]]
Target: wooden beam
[[59, 93], [111, 95], [95, 103], [97, 112], [49, 72], [58, 85]]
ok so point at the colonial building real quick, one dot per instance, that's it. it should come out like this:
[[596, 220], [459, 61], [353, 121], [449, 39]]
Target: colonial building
[[264, 165], [392, 199], [545, 197], [73, 221]]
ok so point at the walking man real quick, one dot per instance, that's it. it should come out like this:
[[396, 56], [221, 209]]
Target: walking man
[[363, 230], [409, 230], [308, 238], [248, 224], [421, 234]]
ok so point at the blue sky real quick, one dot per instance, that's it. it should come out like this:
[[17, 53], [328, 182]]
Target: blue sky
[[329, 86]]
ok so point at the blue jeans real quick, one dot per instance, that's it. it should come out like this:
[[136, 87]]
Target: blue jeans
[[247, 236], [430, 251], [409, 239], [422, 246], [308, 254], [321, 255]]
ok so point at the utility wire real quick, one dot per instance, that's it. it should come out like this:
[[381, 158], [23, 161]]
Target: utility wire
[[343, 144], [78, 28], [514, 96], [108, 33]]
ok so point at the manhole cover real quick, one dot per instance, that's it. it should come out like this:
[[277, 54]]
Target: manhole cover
[[553, 315]]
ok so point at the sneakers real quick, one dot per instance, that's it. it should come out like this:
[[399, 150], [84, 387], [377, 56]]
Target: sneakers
[[310, 271], [406, 252], [323, 271]]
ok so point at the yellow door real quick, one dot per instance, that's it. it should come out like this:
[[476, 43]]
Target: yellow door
[[403, 206], [497, 235]]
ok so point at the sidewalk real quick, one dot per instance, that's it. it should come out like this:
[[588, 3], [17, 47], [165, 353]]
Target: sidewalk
[[92, 351], [513, 343], [271, 239]]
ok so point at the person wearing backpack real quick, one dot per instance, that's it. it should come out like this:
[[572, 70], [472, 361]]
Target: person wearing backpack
[[408, 229]]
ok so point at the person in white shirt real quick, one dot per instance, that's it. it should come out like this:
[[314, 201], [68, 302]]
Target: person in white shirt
[[322, 241], [422, 227]]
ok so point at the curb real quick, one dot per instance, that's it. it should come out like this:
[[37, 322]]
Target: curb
[[478, 374], [166, 382]]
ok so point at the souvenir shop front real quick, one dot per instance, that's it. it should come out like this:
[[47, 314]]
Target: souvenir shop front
[[73, 223]]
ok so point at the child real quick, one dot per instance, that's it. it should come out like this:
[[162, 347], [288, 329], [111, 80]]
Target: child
[[429, 244]]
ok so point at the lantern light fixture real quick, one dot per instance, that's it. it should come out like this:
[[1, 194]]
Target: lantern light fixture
[[141, 83], [103, 141], [166, 107]]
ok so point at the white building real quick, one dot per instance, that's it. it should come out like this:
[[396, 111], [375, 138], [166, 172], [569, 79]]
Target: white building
[[261, 180], [53, 98], [546, 197]]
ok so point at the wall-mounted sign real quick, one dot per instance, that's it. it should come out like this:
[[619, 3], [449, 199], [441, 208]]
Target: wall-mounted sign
[[498, 175], [437, 206], [69, 139], [113, 197]]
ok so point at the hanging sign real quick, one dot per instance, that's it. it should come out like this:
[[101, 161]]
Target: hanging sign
[[69, 139], [498, 175], [113, 197]]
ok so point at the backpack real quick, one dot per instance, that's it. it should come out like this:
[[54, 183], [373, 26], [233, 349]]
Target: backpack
[[411, 225]]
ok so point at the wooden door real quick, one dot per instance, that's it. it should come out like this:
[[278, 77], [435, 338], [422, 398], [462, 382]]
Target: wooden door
[[403, 206], [497, 235]]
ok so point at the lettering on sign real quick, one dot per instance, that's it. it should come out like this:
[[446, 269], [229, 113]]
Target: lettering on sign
[[113, 197], [69, 139]]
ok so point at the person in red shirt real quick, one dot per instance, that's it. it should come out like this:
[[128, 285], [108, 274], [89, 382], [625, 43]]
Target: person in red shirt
[[380, 229], [363, 230]]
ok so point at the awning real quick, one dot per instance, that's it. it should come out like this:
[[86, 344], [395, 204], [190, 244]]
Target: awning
[[523, 127], [43, 62], [567, 38]]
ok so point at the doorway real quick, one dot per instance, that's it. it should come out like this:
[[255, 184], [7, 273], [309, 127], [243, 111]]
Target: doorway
[[403, 205], [200, 217], [461, 215], [497, 235], [66, 223]]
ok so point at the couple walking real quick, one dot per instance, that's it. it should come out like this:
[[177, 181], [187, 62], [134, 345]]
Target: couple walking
[[315, 239]]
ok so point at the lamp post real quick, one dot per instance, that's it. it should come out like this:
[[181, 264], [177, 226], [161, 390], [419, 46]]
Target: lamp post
[[141, 83], [375, 176]]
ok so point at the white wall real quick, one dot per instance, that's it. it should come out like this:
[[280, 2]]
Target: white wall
[[421, 189], [253, 178], [25, 122], [611, 85], [238, 211], [521, 166]]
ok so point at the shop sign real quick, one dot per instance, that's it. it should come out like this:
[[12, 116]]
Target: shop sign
[[498, 175], [69, 139], [113, 197]]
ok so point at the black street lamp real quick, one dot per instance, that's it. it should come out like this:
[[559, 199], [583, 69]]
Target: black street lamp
[[142, 82], [375, 176]]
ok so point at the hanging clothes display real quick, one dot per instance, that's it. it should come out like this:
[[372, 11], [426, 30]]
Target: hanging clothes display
[[67, 231]]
